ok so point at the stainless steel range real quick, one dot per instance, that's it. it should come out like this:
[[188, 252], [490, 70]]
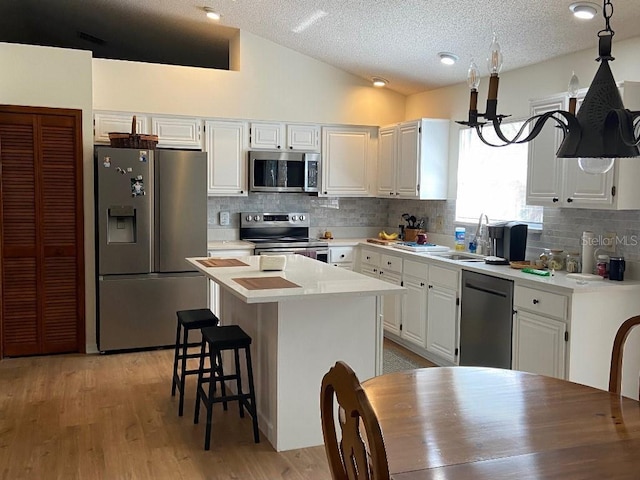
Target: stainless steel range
[[281, 234]]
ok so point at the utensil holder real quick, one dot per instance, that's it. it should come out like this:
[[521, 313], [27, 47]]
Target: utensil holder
[[411, 234]]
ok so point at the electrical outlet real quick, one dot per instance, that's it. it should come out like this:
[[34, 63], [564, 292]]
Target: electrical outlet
[[609, 242], [224, 219], [439, 224]]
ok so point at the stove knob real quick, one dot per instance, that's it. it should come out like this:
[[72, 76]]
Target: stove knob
[[301, 218], [248, 218], [294, 218], [257, 218]]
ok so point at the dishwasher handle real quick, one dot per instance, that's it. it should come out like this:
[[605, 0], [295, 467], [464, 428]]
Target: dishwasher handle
[[486, 290]]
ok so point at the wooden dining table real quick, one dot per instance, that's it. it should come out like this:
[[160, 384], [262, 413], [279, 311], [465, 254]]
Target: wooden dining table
[[484, 423]]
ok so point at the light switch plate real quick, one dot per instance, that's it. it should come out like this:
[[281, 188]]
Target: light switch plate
[[224, 218]]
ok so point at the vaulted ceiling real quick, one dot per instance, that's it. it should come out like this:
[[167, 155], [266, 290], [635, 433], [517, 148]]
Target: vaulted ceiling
[[395, 39]]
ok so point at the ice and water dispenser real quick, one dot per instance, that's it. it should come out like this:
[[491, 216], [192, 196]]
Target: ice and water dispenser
[[121, 224]]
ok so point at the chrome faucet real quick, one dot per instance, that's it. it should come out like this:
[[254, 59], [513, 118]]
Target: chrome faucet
[[482, 236]]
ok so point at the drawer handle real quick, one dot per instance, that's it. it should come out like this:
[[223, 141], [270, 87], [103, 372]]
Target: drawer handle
[[536, 301]]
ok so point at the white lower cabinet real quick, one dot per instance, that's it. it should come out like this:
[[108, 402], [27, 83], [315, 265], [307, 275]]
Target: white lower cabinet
[[341, 257], [538, 344], [539, 332], [442, 313], [387, 268], [391, 272], [414, 313]]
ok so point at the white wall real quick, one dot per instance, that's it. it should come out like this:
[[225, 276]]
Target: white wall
[[519, 86], [58, 78], [272, 83]]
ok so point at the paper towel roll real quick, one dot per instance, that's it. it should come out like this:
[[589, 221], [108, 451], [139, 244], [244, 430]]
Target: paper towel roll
[[273, 262], [588, 249]]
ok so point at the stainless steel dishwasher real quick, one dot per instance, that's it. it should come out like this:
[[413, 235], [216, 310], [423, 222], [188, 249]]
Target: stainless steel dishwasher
[[486, 319]]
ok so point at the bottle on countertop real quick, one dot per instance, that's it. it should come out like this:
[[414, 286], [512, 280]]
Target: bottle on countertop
[[460, 231], [602, 267]]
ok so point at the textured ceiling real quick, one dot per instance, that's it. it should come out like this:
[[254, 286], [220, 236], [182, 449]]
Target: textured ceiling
[[395, 39]]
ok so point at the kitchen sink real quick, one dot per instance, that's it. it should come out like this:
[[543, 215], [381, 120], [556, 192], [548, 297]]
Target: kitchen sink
[[461, 257]]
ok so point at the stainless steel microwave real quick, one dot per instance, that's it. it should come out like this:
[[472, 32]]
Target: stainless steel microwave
[[284, 171]]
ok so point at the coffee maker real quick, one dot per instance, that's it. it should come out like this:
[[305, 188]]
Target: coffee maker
[[508, 240]]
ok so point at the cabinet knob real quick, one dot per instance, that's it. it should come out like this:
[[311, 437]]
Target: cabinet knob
[[278, 146], [555, 200], [290, 148], [389, 263], [569, 200], [422, 284], [536, 301], [342, 256], [368, 257], [391, 193], [430, 286]]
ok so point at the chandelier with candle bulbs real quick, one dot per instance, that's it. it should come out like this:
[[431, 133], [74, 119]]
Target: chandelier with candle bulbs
[[600, 132]]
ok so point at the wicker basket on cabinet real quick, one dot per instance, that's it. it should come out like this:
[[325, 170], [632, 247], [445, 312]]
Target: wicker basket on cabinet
[[133, 139]]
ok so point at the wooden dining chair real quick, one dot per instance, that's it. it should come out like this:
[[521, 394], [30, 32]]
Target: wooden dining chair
[[359, 455], [615, 374]]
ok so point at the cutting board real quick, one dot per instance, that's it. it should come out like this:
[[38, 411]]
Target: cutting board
[[222, 262], [379, 241], [265, 283]]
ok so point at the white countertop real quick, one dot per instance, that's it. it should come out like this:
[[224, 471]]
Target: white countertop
[[558, 283], [317, 279]]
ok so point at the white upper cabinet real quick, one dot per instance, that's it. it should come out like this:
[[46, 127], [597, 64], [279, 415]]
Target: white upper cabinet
[[387, 158], [303, 137], [281, 136], [346, 159], [560, 182], [544, 169], [105, 122], [413, 160], [226, 144], [178, 132]]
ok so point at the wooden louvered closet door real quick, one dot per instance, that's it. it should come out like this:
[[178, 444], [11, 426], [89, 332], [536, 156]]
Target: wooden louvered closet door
[[41, 228]]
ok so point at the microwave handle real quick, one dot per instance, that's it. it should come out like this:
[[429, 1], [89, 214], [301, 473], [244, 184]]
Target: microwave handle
[[306, 174]]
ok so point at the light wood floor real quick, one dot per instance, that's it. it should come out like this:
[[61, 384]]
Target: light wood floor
[[112, 417]]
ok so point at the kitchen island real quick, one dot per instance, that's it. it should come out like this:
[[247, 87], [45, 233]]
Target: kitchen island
[[302, 320]]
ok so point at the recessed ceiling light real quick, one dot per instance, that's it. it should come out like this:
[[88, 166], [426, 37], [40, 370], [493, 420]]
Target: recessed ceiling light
[[379, 82], [448, 58], [212, 14], [584, 10]]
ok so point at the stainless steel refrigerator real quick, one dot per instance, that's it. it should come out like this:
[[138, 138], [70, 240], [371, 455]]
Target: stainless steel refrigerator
[[151, 213]]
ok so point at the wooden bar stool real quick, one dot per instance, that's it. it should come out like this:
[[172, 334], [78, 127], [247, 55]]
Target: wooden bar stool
[[188, 320], [218, 339]]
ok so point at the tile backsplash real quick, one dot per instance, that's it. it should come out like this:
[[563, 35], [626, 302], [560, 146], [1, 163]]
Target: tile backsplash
[[562, 227]]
